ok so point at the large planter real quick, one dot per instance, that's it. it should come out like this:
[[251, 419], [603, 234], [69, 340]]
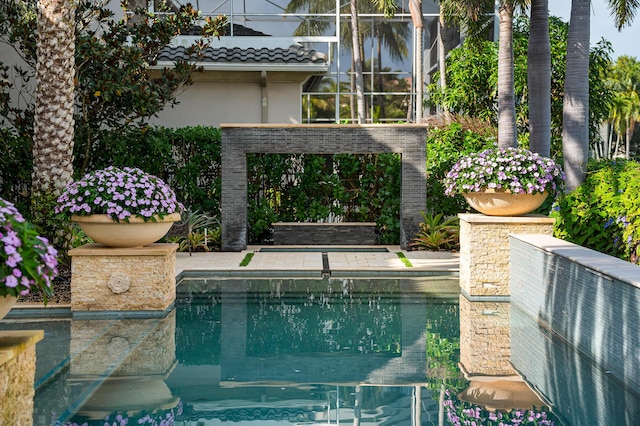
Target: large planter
[[6, 303], [499, 202], [134, 233]]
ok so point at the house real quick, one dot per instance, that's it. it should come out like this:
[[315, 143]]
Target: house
[[248, 78]]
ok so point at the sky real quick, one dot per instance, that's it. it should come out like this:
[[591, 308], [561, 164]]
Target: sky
[[625, 42]]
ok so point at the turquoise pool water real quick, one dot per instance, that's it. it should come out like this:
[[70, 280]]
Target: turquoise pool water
[[273, 352]]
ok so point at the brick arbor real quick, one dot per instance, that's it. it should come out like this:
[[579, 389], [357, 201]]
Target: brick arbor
[[240, 139]]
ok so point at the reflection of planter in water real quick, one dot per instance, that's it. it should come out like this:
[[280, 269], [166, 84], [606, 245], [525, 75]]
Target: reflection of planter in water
[[130, 395], [498, 202], [134, 233], [500, 394]]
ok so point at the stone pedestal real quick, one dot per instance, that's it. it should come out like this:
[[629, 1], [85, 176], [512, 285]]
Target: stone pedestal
[[123, 279], [484, 250], [17, 373]]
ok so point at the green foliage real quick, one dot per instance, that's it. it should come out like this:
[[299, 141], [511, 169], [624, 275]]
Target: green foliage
[[310, 188], [437, 233], [445, 146], [15, 169], [196, 232], [472, 81], [603, 212], [188, 159], [114, 88]]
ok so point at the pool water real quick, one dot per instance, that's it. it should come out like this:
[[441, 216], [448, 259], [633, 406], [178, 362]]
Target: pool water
[[267, 352]]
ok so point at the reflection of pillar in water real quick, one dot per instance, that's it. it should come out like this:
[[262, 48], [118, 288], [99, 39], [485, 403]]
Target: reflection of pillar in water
[[485, 348], [485, 357], [17, 373], [136, 356]]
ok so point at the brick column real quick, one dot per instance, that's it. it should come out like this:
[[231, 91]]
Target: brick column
[[484, 250]]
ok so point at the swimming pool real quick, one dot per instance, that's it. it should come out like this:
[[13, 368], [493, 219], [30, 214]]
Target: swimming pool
[[269, 351]]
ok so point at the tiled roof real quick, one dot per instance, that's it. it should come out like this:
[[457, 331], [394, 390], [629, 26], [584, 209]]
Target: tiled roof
[[295, 54]]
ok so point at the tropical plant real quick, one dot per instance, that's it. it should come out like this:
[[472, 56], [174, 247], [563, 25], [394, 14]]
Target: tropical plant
[[602, 213], [27, 261], [514, 169], [437, 233], [472, 78], [625, 81], [201, 232], [120, 194]]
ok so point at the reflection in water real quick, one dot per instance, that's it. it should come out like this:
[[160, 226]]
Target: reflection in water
[[259, 352], [383, 352]]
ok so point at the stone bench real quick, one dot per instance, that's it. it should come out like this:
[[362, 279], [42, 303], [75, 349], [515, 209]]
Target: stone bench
[[312, 233]]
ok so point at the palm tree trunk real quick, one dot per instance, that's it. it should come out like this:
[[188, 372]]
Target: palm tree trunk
[[575, 115], [54, 106], [539, 79], [507, 136], [356, 48], [415, 7]]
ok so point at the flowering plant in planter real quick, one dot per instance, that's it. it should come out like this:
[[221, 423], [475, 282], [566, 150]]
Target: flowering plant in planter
[[120, 194], [27, 261], [516, 170]]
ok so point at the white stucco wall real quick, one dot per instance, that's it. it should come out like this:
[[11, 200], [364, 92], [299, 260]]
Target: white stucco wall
[[209, 103]]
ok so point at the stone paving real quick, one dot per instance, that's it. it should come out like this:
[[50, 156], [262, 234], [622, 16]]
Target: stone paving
[[298, 261]]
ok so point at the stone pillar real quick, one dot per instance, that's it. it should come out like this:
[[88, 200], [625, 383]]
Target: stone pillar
[[485, 347], [484, 250], [17, 374], [123, 279]]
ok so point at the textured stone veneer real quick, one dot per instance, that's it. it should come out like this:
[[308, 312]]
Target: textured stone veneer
[[17, 374], [484, 250], [485, 348], [238, 140], [140, 347], [123, 279]]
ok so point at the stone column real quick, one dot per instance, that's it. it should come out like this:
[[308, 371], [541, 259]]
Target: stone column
[[123, 279], [484, 250]]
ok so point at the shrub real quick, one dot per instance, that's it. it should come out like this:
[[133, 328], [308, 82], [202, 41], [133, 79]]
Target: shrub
[[603, 212]]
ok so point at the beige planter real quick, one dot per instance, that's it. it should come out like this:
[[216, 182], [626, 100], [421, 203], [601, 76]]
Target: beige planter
[[135, 233], [498, 202], [6, 303]]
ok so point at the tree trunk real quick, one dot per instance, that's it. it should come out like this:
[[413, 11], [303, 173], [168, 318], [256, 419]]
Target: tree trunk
[[575, 115], [54, 106], [415, 7], [539, 79], [507, 136], [355, 37]]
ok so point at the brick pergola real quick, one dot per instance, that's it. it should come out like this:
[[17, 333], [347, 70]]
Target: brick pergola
[[240, 139]]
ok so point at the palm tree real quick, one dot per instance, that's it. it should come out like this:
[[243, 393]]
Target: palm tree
[[507, 134], [575, 112], [539, 78], [463, 11], [625, 79], [53, 127]]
